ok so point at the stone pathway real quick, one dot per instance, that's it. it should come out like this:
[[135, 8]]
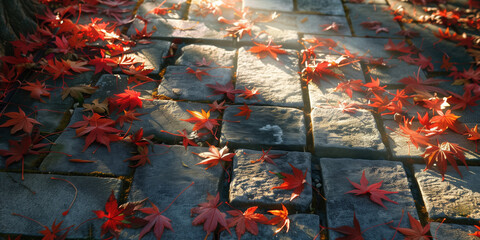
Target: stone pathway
[[298, 122]]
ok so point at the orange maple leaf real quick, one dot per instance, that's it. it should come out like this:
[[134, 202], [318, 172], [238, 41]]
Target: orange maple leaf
[[245, 111], [270, 49]]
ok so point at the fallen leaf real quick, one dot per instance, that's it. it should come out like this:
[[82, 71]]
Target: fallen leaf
[[246, 221], [416, 232], [214, 156], [293, 181], [201, 120], [37, 90], [209, 215], [244, 111], [376, 194], [77, 92], [19, 121], [98, 129], [281, 219], [444, 153], [352, 233], [270, 49]]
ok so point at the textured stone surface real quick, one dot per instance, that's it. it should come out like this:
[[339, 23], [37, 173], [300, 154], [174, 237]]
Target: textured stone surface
[[392, 73], [189, 55], [333, 7], [338, 134], [50, 199], [117, 83], [172, 170], [147, 6], [363, 46], [448, 231], [270, 78], [201, 10], [322, 91], [341, 206], [402, 148], [431, 47], [455, 197], [174, 28], [178, 84], [273, 5], [359, 13], [302, 227], [252, 182], [267, 126], [105, 162], [165, 115], [152, 55]]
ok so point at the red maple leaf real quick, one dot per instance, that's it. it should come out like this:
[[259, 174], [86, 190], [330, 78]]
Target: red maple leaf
[[227, 89], [209, 215], [128, 116], [445, 120], [57, 68], [240, 26], [293, 181], [376, 194], [270, 49], [138, 139], [442, 153], [462, 102], [416, 232], [268, 157], [416, 84], [349, 86], [19, 121], [244, 111], [98, 128], [201, 120], [28, 145], [138, 74], [51, 234], [415, 137], [423, 62], [118, 217], [317, 71], [186, 141], [374, 86], [214, 156], [380, 102], [141, 157], [408, 33], [352, 233], [103, 63], [37, 90], [198, 72], [126, 100], [477, 233], [215, 106], [446, 64], [247, 94], [444, 35], [159, 10], [281, 219], [472, 133], [400, 47], [246, 220]]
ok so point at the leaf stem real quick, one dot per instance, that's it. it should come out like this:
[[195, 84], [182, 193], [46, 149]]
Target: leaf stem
[[31, 219], [177, 197], [74, 198]]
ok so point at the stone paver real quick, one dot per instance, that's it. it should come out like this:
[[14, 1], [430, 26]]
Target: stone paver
[[338, 134], [106, 162], [361, 13], [455, 197], [392, 73], [179, 165], [178, 84], [148, 6], [117, 83], [341, 206], [302, 227], [152, 55], [165, 115], [273, 5], [252, 182], [44, 200], [330, 7], [448, 231], [270, 77], [192, 54], [277, 127]]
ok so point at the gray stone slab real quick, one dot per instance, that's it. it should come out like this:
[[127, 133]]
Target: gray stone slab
[[359, 13], [110, 84], [427, 42], [281, 128], [177, 84], [252, 182], [201, 10], [413, 11], [166, 115], [172, 170], [330, 7], [322, 92], [402, 148], [190, 55], [302, 227], [338, 134], [455, 197], [105, 162], [447, 231], [392, 73], [51, 199], [273, 5], [341, 206], [471, 113], [270, 78], [363, 46], [174, 28], [152, 55], [147, 6]]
